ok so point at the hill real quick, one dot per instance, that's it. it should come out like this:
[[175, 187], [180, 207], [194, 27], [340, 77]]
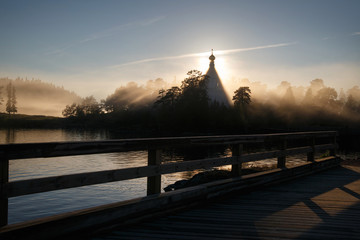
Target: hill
[[30, 121], [36, 97]]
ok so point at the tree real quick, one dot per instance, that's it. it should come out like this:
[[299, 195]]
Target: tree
[[316, 85], [242, 97], [342, 97], [288, 98], [88, 107], [354, 92], [1, 99], [192, 92], [194, 88], [283, 87], [11, 99], [132, 96], [186, 106], [326, 96], [352, 105], [309, 98], [169, 97]]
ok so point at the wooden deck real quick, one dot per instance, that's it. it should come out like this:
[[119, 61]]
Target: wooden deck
[[325, 205]]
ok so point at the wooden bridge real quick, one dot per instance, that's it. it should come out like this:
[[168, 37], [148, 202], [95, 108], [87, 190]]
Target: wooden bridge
[[265, 213]]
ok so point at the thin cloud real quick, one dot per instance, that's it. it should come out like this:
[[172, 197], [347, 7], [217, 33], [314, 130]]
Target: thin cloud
[[115, 30], [107, 33], [355, 34], [219, 52], [224, 52]]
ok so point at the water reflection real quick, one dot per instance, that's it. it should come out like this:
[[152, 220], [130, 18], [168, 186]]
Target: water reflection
[[50, 135], [45, 204]]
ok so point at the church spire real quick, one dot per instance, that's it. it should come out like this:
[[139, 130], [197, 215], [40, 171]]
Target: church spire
[[215, 89], [212, 57]]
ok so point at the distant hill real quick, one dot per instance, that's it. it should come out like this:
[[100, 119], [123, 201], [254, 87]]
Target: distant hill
[[35, 97]]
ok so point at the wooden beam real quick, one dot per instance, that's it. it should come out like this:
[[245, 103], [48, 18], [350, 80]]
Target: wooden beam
[[334, 149], [121, 213], [311, 154], [281, 162], [24, 187], [57, 149], [237, 150], [154, 182], [4, 178]]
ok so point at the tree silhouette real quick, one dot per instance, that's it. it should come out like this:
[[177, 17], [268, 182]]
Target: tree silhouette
[[169, 97], [1, 99], [354, 92], [326, 96], [352, 105], [185, 106], [132, 96], [242, 97], [316, 85], [11, 99], [309, 98], [288, 98], [88, 107], [72, 110]]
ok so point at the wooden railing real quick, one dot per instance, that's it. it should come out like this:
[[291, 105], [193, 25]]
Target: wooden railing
[[155, 168]]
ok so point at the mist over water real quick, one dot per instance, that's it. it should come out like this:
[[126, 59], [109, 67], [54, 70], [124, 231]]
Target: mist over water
[[37, 97]]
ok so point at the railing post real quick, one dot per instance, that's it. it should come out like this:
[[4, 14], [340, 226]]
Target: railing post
[[237, 150], [154, 183], [311, 155], [281, 161], [4, 179], [333, 150]]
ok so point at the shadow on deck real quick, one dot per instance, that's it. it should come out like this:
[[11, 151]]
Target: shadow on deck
[[325, 205]]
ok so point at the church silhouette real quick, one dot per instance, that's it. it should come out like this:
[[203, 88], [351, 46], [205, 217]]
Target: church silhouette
[[215, 88]]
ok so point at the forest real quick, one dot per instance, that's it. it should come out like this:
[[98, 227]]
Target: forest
[[35, 97], [159, 109]]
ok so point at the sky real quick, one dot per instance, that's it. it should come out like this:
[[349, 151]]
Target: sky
[[94, 47]]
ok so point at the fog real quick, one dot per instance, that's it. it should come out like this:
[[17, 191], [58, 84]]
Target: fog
[[35, 97], [295, 105]]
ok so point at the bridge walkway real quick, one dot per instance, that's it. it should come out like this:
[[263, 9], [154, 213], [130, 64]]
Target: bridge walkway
[[324, 205]]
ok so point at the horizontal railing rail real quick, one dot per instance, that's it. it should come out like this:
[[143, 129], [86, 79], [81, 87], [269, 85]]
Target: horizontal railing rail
[[155, 168]]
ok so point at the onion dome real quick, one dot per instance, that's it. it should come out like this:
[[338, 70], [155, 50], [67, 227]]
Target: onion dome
[[212, 57]]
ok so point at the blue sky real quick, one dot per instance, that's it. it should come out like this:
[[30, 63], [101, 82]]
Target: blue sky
[[93, 47]]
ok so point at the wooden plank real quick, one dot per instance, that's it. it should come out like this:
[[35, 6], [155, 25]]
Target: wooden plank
[[293, 220], [4, 178], [324, 147], [281, 160], [120, 213], [23, 187], [311, 155], [56, 149], [334, 149], [237, 150], [154, 182]]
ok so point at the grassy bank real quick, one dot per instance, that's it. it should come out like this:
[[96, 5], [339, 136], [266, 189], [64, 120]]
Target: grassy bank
[[30, 121]]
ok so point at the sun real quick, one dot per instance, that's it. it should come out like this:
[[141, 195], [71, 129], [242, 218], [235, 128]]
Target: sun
[[221, 66]]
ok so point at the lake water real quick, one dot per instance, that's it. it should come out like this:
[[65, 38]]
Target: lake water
[[33, 206]]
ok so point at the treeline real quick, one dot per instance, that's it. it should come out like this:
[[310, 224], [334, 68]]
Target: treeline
[[158, 109], [34, 96]]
